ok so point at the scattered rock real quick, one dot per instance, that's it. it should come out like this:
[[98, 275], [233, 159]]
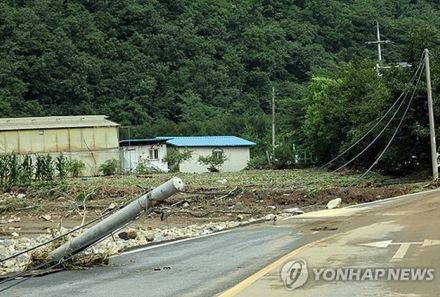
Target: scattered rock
[[6, 196], [21, 196], [128, 234], [222, 181], [271, 217], [111, 206], [272, 207], [126, 239], [149, 237], [5, 242], [14, 220], [335, 203], [47, 217]]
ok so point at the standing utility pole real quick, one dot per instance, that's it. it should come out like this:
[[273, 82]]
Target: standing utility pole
[[273, 119], [431, 118], [379, 43]]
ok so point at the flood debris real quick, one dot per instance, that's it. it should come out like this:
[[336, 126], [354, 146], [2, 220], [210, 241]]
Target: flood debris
[[325, 228]]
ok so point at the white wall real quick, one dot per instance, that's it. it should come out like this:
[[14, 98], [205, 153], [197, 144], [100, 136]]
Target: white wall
[[237, 159], [131, 155]]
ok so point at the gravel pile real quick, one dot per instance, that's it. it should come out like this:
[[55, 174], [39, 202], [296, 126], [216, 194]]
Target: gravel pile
[[118, 242]]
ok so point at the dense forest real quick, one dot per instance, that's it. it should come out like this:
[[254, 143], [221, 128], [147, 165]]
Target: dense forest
[[201, 67]]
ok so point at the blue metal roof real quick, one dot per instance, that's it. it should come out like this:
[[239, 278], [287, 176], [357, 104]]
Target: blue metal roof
[[204, 141]]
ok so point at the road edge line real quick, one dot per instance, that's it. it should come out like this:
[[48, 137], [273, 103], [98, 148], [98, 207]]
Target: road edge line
[[262, 272], [150, 246]]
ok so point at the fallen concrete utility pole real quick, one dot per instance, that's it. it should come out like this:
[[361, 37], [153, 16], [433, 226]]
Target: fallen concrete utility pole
[[116, 220]]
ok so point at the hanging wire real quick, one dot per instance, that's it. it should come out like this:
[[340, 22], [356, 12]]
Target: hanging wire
[[383, 129], [407, 88], [397, 128]]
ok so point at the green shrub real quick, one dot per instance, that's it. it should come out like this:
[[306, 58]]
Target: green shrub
[[258, 162], [174, 157], [75, 167], [213, 162], [142, 166], [109, 167]]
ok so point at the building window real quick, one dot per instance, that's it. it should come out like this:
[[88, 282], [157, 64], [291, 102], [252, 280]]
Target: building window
[[154, 154], [217, 153]]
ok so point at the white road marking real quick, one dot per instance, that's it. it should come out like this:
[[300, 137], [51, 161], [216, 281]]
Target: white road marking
[[403, 246], [401, 252], [380, 244], [430, 242]]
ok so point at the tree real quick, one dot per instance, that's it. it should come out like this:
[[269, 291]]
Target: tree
[[175, 157], [214, 161]]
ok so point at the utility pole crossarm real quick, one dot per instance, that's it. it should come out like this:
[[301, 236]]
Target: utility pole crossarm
[[379, 43]]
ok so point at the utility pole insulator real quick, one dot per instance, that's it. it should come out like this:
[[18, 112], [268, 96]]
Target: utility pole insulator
[[379, 43]]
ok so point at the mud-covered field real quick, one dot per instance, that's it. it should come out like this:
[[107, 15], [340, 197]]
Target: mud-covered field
[[208, 197]]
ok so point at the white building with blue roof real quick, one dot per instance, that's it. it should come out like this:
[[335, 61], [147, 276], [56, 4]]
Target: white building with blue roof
[[153, 151]]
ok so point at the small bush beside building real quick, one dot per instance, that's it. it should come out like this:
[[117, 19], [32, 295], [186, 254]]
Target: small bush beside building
[[198, 153]]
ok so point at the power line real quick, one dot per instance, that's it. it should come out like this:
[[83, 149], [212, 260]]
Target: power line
[[381, 132], [397, 128], [53, 239], [378, 121], [45, 265]]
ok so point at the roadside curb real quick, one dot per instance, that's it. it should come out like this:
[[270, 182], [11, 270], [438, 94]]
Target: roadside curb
[[142, 247]]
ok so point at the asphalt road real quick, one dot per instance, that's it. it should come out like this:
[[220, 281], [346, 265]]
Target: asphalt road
[[392, 236], [198, 267], [246, 261]]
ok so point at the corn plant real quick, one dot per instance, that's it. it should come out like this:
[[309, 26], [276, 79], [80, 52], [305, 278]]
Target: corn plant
[[3, 171], [44, 170], [26, 171], [61, 166], [12, 169]]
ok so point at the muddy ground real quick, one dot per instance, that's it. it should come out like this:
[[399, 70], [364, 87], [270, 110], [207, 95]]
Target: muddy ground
[[22, 213]]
